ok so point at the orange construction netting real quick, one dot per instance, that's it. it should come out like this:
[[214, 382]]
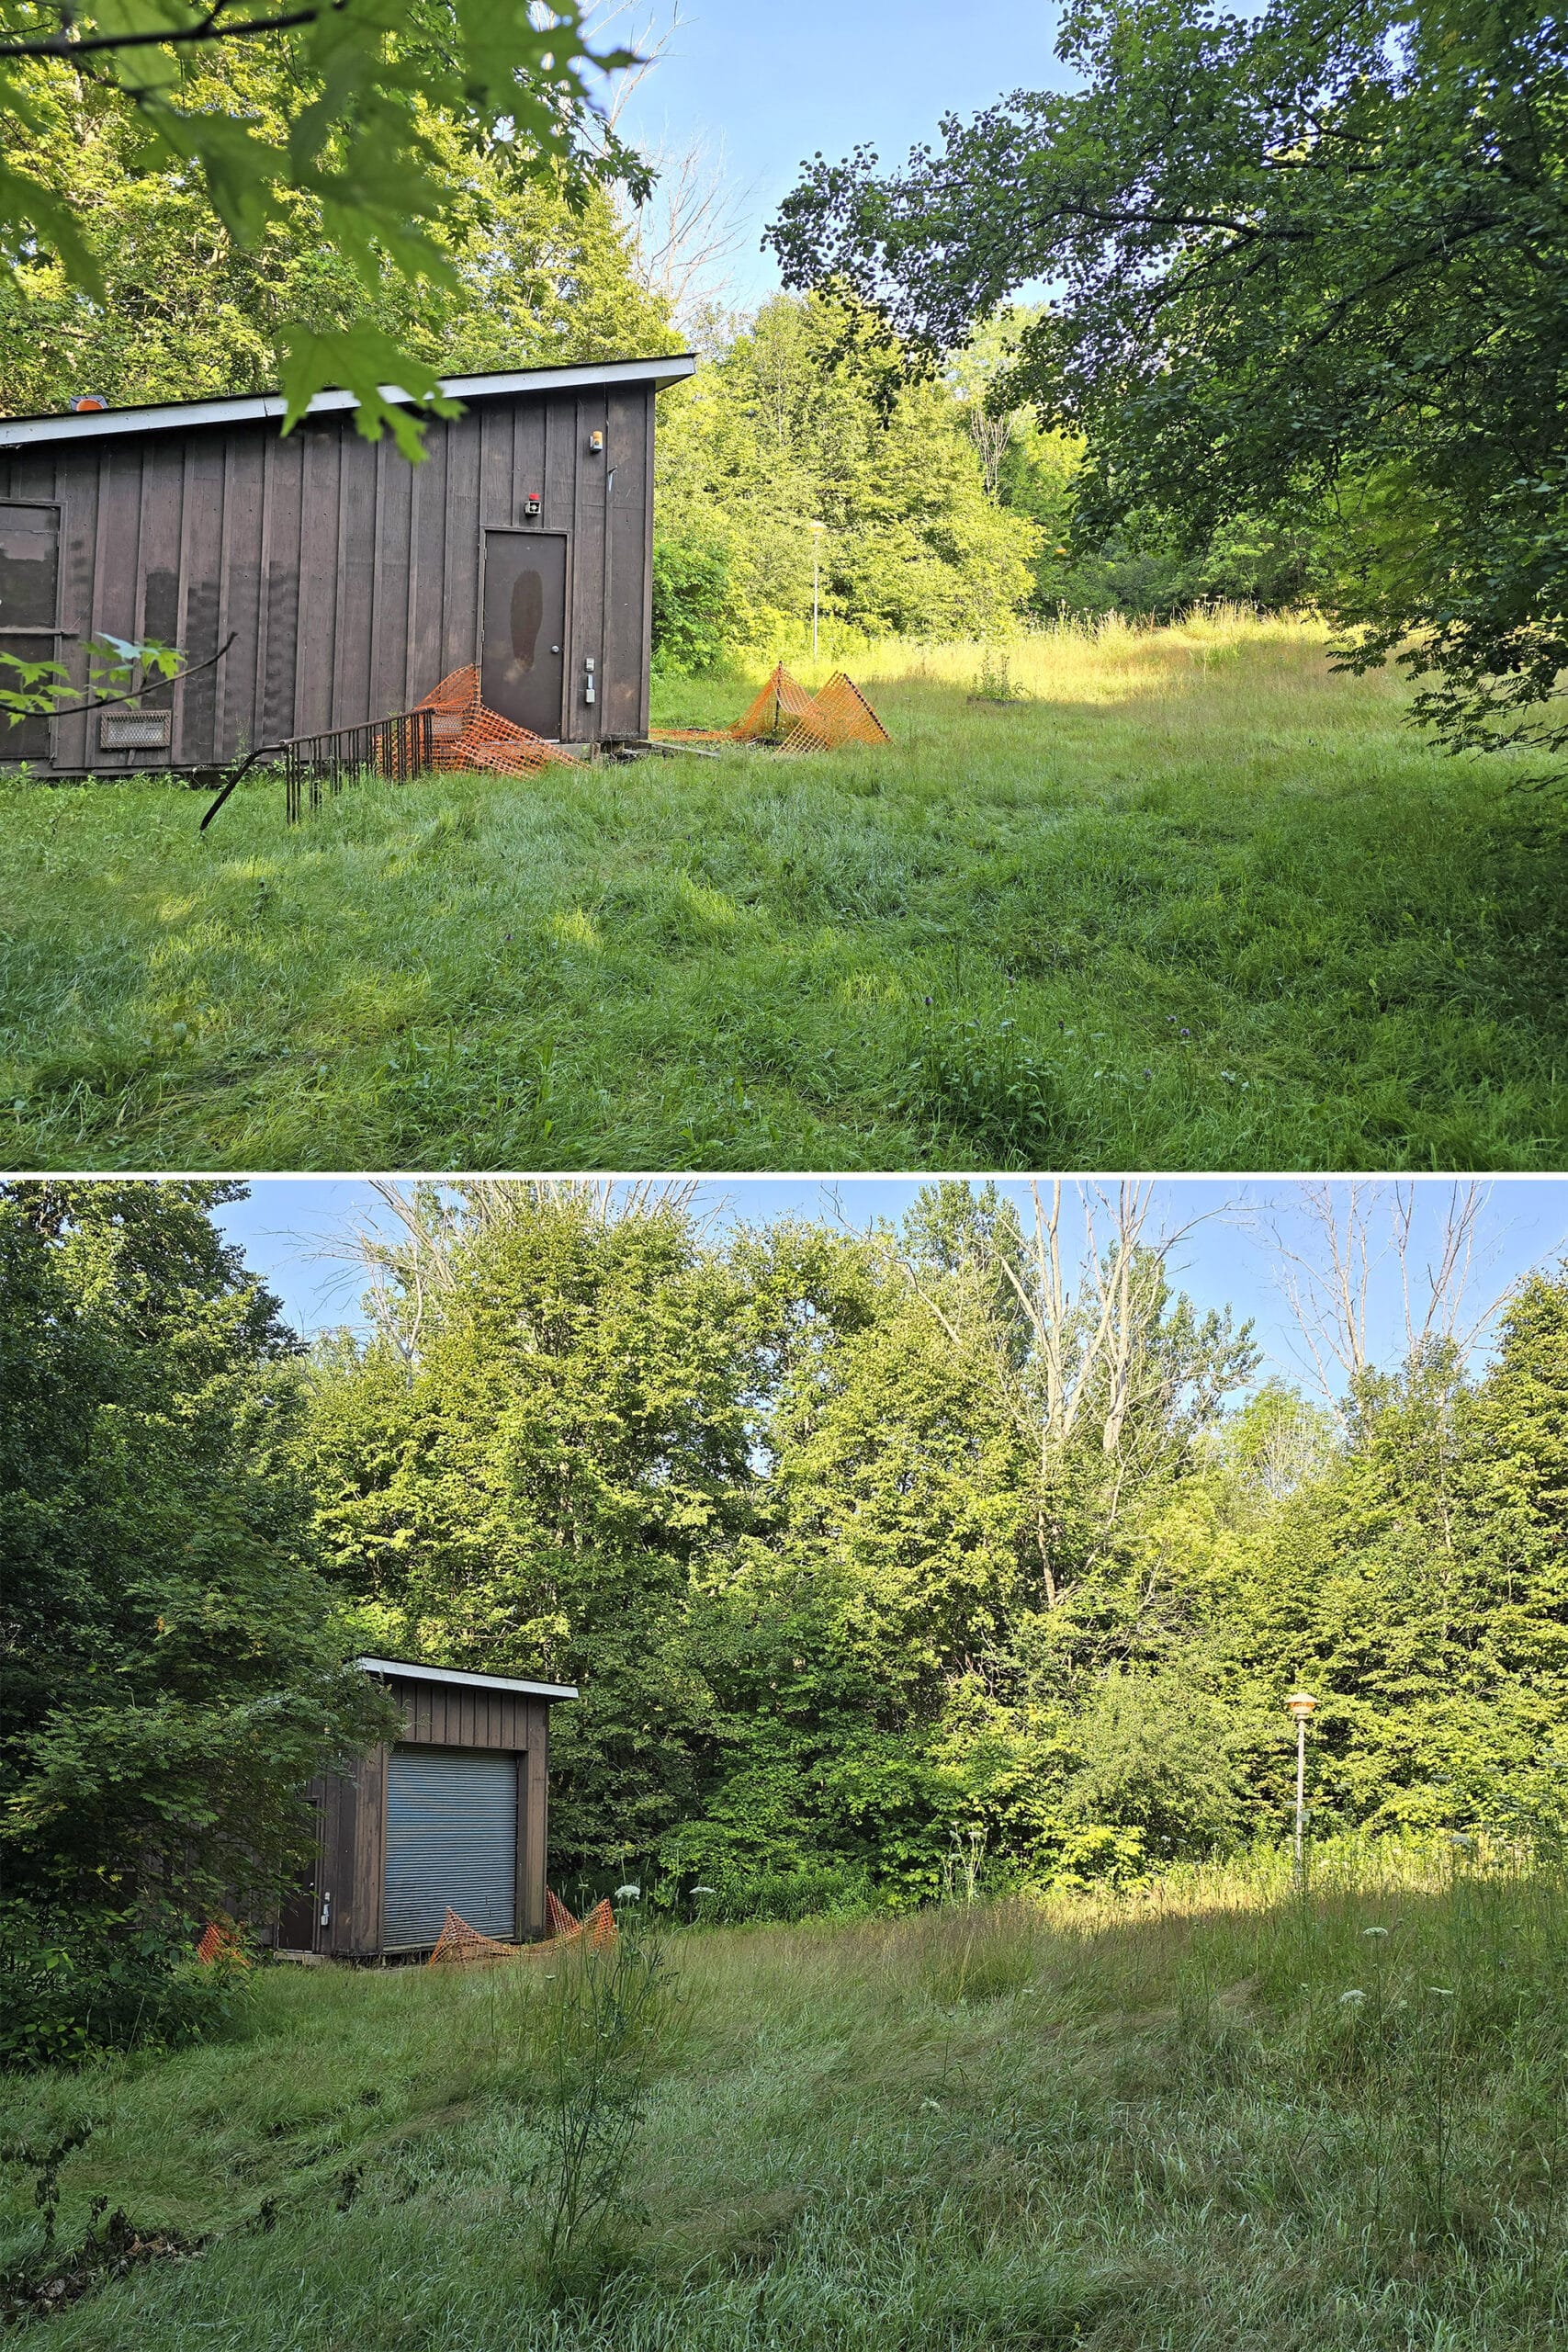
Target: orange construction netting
[[789, 719], [222, 1941], [460, 1946], [468, 735]]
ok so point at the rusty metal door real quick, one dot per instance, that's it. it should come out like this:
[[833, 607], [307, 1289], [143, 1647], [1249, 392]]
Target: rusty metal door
[[522, 668], [30, 592]]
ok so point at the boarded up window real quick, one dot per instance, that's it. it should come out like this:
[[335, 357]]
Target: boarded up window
[[30, 593]]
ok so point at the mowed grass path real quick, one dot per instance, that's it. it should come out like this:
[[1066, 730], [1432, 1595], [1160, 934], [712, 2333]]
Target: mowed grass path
[[1196, 903], [1216, 2130]]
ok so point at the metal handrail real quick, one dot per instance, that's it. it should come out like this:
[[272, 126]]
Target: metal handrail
[[398, 748]]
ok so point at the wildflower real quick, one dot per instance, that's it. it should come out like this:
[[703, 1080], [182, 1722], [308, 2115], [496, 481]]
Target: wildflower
[[628, 1894], [1184, 1032], [1349, 1999], [1374, 1932], [928, 1000], [1446, 1991], [1148, 1073], [705, 1890]]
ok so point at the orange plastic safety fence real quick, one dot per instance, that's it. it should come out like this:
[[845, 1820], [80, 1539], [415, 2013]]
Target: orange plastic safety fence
[[458, 1945], [466, 734], [784, 714], [839, 714], [220, 1941]]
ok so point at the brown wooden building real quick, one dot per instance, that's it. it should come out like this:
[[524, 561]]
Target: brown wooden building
[[454, 1811], [351, 580]]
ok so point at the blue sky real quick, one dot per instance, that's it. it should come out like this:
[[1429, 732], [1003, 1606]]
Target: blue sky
[[290, 1227], [772, 88]]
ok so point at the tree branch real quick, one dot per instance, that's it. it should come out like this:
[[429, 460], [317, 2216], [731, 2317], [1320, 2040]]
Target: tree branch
[[65, 44]]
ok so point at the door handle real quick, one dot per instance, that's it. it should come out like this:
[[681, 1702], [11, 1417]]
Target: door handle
[[554, 648]]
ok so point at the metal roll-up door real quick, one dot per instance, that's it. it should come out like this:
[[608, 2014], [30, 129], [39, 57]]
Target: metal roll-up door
[[451, 1839]]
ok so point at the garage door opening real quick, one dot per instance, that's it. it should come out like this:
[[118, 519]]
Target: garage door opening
[[451, 1841]]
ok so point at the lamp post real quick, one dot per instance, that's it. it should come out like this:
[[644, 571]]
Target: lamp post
[[816, 531], [1299, 1706]]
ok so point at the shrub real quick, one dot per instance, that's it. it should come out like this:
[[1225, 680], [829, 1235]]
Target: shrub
[[690, 606], [76, 1982], [835, 1890]]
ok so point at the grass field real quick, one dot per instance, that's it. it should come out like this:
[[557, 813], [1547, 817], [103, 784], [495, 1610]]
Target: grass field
[[1235, 2122], [1193, 903]]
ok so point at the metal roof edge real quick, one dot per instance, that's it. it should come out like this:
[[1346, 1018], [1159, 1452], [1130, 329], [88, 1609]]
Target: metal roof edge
[[410, 1672], [248, 407]]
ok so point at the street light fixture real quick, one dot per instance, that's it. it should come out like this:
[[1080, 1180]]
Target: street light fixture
[[817, 530], [1299, 1706]]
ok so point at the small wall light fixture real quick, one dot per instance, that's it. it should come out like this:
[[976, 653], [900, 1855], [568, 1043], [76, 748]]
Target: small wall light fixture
[[531, 504], [596, 443]]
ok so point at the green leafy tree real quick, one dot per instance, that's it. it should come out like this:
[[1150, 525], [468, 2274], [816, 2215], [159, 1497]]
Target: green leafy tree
[[536, 267], [173, 1673], [798, 419], [521, 1471], [1418, 1584], [346, 116], [1311, 268]]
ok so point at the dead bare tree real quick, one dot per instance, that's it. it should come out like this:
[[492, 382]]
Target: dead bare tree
[[1093, 1363], [690, 229], [992, 436], [1357, 1230], [692, 222]]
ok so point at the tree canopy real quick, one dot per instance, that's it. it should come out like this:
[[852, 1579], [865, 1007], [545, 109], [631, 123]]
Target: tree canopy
[[172, 1672], [870, 1551], [795, 420], [1307, 266], [393, 131]]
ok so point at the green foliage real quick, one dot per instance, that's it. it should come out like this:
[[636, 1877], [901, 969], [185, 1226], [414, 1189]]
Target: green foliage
[[535, 266], [366, 141], [798, 419], [896, 1565], [1312, 267], [174, 1674], [76, 1982], [815, 1890], [693, 608], [116, 672]]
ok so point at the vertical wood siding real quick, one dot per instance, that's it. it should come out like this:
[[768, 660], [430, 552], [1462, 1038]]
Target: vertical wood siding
[[352, 1838], [350, 579]]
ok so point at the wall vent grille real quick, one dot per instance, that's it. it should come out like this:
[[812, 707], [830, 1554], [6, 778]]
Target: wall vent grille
[[133, 730]]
